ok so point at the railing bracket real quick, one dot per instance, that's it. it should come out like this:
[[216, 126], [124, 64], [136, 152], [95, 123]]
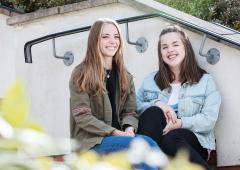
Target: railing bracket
[[141, 43], [68, 57], [213, 54]]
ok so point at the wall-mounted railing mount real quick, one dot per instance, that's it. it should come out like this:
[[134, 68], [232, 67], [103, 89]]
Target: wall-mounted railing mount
[[141, 43], [67, 58], [213, 54]]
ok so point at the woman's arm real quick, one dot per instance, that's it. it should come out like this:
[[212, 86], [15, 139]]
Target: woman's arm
[[205, 120], [141, 104]]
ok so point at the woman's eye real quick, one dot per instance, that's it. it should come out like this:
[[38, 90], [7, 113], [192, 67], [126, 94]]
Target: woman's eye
[[117, 37], [164, 48]]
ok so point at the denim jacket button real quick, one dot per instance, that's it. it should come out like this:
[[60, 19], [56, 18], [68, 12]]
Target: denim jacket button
[[181, 96]]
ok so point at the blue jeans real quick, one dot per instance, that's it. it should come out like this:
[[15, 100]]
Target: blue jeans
[[117, 143]]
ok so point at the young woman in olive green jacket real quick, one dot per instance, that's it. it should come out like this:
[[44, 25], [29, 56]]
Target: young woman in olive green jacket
[[103, 100]]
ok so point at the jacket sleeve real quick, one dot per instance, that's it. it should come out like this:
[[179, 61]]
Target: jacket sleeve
[[141, 104], [205, 120], [82, 114], [129, 115]]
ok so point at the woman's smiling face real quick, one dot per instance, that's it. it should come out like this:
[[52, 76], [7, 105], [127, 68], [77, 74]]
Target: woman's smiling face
[[109, 40], [172, 49]]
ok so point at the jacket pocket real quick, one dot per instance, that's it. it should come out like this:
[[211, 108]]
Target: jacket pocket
[[149, 95], [197, 104]]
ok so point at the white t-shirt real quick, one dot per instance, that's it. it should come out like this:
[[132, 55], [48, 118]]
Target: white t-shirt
[[173, 100]]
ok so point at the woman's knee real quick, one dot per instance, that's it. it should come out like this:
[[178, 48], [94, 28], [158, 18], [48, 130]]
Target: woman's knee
[[153, 110], [152, 122], [151, 114]]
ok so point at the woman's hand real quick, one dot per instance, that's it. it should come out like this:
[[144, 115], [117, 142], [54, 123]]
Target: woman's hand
[[130, 130], [117, 132], [169, 113], [171, 126]]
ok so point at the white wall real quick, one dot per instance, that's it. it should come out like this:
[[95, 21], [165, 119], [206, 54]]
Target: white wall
[[7, 55], [46, 79]]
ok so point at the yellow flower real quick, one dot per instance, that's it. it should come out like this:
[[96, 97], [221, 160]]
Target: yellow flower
[[45, 163], [181, 162], [90, 156], [118, 159], [14, 106], [92, 160], [15, 109]]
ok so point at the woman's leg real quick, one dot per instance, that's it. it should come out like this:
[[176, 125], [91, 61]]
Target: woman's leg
[[183, 138], [152, 122], [113, 144], [118, 143]]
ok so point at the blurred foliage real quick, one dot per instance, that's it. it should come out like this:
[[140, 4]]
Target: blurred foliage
[[33, 5], [21, 145], [226, 12]]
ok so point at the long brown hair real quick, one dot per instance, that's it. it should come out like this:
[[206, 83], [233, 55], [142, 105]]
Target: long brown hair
[[190, 71], [89, 75]]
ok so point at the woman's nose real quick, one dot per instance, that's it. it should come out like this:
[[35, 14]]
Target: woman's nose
[[112, 40], [170, 49]]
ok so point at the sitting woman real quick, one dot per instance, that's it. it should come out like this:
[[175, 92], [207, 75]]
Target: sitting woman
[[179, 103], [103, 100]]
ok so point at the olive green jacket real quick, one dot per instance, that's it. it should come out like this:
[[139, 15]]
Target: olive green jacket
[[91, 115]]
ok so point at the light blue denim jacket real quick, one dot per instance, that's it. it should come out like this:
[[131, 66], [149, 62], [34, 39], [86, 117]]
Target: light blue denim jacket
[[198, 105]]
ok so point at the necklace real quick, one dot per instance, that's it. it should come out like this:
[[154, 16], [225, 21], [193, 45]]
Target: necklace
[[108, 73]]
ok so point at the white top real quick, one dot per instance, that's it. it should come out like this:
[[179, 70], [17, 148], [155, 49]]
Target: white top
[[173, 100]]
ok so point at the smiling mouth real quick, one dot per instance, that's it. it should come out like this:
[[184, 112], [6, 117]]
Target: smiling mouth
[[171, 57], [111, 48]]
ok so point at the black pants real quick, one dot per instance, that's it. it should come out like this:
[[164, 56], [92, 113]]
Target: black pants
[[152, 123]]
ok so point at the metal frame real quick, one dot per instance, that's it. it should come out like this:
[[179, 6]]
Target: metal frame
[[210, 34]]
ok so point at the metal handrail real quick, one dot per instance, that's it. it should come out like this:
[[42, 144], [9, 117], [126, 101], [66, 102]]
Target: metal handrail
[[230, 29], [214, 35]]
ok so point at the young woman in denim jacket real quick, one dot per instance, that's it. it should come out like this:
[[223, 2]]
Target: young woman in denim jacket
[[179, 103], [102, 95]]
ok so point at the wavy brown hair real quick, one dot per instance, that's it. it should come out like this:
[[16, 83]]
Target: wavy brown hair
[[89, 75], [190, 71]]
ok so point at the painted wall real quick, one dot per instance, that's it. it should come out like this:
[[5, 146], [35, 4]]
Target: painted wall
[[7, 55], [46, 79]]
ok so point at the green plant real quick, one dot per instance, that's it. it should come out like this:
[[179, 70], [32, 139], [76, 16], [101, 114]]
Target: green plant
[[198, 8], [33, 5], [226, 12]]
